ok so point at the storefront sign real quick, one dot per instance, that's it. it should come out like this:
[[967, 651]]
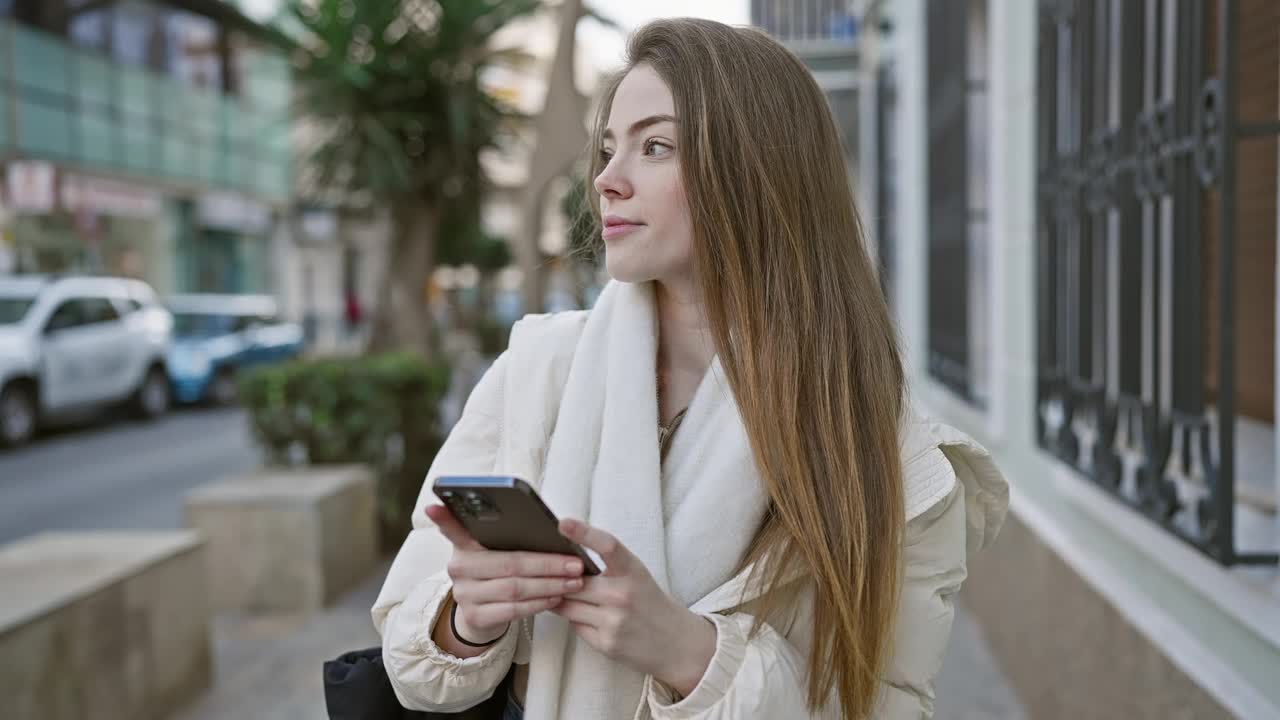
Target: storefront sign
[[224, 211], [83, 194], [30, 187]]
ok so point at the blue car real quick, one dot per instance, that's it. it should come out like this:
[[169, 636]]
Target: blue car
[[215, 336]]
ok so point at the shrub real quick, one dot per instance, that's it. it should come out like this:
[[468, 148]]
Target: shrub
[[380, 410], [493, 336]]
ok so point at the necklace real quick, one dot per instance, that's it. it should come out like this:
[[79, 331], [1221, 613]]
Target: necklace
[[657, 394], [657, 390], [665, 431]]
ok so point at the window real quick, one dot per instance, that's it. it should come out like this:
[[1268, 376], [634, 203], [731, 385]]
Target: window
[[186, 46], [958, 305], [197, 324], [98, 310], [886, 178], [244, 322], [68, 315], [13, 309], [192, 52], [79, 312], [1155, 230], [91, 29], [136, 38]]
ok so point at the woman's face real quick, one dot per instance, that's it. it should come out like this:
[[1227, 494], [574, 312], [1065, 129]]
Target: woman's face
[[647, 231]]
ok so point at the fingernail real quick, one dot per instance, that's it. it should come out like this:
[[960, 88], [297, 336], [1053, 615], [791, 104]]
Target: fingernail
[[573, 584], [573, 566]]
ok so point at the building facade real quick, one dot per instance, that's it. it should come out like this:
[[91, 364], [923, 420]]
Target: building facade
[[825, 35], [144, 139], [1074, 204]]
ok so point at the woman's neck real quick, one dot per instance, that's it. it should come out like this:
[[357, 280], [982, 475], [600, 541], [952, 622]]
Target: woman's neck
[[685, 346]]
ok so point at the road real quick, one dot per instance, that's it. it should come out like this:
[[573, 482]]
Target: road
[[119, 475]]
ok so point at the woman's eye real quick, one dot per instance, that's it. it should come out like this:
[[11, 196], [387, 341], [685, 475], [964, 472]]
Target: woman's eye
[[605, 155], [653, 147]]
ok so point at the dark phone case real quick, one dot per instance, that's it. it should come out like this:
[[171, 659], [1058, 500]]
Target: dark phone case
[[517, 519]]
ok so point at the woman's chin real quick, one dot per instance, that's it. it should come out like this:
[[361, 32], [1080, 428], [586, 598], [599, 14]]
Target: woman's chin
[[622, 270]]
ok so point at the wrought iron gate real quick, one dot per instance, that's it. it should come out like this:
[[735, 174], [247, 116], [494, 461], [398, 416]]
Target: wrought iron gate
[[1138, 142]]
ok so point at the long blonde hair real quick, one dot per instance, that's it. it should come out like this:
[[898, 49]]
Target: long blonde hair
[[801, 329]]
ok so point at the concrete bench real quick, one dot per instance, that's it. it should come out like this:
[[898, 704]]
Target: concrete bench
[[102, 625], [286, 540]]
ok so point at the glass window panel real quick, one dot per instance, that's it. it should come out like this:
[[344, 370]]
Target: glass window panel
[[192, 54], [134, 35], [91, 30]]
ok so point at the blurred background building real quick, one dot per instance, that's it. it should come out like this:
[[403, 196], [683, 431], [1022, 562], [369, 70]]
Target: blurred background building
[[146, 139], [1074, 206], [825, 34]]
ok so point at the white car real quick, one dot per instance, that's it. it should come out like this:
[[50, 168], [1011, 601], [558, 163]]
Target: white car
[[70, 344]]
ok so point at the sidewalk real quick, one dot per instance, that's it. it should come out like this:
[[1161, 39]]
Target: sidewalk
[[269, 669], [971, 685]]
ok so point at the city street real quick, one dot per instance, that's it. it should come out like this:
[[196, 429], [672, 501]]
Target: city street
[[120, 474]]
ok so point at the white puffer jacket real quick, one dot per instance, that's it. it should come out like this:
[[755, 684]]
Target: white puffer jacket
[[956, 502]]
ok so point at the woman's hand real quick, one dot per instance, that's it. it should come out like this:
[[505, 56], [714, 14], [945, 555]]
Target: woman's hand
[[627, 617], [492, 588]]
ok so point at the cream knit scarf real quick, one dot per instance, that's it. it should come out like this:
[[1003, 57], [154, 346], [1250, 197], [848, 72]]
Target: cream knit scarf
[[690, 521]]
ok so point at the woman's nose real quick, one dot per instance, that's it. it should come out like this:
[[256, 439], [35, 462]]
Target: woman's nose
[[611, 183]]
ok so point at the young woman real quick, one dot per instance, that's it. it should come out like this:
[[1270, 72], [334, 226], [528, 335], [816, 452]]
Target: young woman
[[727, 429]]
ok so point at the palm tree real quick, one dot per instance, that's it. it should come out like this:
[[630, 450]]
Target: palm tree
[[392, 113]]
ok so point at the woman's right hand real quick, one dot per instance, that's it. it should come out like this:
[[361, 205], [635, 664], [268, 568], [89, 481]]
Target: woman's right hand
[[493, 588]]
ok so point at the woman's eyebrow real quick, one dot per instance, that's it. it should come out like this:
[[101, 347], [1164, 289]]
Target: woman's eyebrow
[[641, 124]]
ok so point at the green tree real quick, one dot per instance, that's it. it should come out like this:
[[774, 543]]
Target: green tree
[[393, 112]]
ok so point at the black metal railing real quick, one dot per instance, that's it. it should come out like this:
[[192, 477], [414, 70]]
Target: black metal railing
[[1137, 154], [807, 22]]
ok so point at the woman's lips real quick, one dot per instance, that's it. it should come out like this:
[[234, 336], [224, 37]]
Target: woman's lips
[[618, 230]]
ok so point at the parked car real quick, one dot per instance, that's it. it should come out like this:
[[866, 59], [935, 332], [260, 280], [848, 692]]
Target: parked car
[[70, 344], [215, 336]]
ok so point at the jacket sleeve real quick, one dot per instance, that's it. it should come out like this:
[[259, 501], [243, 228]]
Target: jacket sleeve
[[765, 676], [417, 588]]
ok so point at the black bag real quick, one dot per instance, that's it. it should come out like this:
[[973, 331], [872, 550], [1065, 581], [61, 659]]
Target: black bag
[[356, 687]]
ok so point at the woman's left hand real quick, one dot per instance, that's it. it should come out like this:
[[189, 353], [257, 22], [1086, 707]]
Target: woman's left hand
[[625, 615]]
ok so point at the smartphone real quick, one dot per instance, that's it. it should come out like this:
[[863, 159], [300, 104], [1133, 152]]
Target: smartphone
[[504, 513]]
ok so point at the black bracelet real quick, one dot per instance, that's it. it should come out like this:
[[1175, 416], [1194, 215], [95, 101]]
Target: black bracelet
[[453, 627]]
